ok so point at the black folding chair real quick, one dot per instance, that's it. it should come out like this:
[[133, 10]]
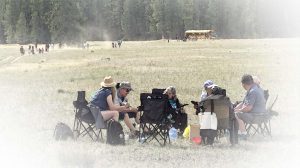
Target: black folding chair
[[157, 91], [84, 122], [154, 124], [261, 124]]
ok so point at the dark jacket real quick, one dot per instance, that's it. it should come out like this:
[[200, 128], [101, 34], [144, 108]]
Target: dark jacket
[[171, 110], [177, 115]]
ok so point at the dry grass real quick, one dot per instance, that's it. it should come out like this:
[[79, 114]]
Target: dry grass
[[37, 91]]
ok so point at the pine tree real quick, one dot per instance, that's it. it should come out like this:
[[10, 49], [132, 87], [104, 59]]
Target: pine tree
[[2, 28], [188, 13], [11, 17], [64, 21], [22, 30], [36, 28], [79, 20]]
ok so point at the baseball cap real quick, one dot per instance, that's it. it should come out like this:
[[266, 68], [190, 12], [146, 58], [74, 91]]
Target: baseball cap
[[209, 84], [126, 85]]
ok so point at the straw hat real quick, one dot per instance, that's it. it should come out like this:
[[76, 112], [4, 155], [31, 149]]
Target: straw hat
[[108, 82]]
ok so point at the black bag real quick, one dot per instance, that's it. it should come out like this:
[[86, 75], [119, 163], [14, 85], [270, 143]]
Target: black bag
[[62, 132], [208, 136], [181, 121], [218, 91], [115, 134]]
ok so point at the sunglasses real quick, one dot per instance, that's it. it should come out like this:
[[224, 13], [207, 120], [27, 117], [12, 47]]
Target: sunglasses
[[127, 90]]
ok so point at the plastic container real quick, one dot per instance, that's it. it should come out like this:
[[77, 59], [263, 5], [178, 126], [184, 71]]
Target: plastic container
[[197, 140], [186, 133], [173, 134]]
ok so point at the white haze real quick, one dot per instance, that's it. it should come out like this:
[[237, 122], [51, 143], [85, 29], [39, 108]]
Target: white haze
[[28, 118]]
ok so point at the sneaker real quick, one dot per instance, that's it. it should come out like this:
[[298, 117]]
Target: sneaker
[[134, 134]]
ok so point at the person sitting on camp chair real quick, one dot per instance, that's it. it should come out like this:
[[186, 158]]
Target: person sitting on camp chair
[[208, 86], [123, 90], [207, 89], [102, 102], [175, 110], [254, 102]]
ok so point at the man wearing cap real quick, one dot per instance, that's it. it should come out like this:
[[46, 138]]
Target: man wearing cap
[[254, 102], [122, 92]]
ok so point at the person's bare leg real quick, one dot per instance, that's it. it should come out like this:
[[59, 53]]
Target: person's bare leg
[[128, 122], [116, 115], [241, 124], [137, 118], [107, 115]]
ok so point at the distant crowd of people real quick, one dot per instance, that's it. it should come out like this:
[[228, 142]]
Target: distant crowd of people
[[38, 48], [116, 44], [35, 49]]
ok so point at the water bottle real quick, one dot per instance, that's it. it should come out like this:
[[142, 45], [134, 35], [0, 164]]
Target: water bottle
[[173, 134], [142, 140]]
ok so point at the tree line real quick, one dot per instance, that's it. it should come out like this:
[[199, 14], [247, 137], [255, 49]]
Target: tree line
[[71, 21]]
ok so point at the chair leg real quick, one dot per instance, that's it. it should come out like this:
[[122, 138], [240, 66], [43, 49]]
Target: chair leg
[[158, 133], [87, 129], [101, 134], [74, 123], [233, 131], [251, 127], [98, 134], [75, 131], [268, 128]]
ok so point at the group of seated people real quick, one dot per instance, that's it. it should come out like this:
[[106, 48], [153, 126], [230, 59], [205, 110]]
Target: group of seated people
[[111, 102]]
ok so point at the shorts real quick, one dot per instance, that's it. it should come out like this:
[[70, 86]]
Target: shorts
[[130, 114], [246, 117]]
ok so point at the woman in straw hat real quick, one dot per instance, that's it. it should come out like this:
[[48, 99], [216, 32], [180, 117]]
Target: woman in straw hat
[[103, 101]]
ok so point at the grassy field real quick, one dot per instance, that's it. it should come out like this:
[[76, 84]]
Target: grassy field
[[37, 91]]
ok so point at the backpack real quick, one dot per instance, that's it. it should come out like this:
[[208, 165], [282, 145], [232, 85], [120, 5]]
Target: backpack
[[62, 132], [208, 136], [115, 134]]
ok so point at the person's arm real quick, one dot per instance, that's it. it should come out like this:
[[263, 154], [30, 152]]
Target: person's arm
[[239, 106], [245, 109], [131, 109], [247, 104], [113, 106], [178, 104]]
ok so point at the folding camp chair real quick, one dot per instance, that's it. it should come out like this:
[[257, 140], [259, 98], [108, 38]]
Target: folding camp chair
[[221, 105], [154, 123], [157, 91], [84, 122], [261, 124]]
